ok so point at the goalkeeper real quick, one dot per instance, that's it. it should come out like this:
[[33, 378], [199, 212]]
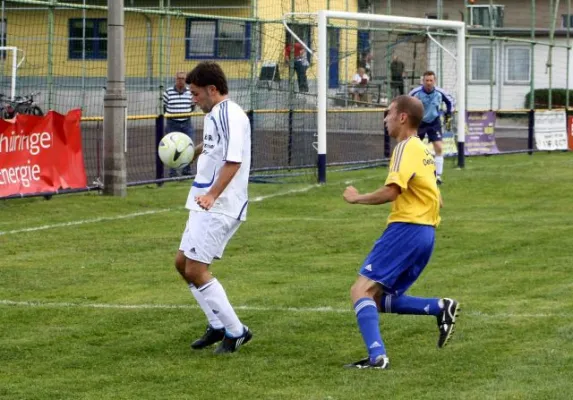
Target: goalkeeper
[[432, 98]]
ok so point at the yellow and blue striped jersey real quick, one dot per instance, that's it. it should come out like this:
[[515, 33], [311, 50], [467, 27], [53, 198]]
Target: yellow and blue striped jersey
[[412, 168]]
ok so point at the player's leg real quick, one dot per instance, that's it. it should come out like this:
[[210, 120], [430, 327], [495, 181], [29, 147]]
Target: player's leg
[[378, 273], [201, 242], [362, 294], [435, 137], [421, 239], [215, 329]]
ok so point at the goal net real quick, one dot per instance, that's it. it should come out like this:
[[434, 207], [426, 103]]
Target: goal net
[[394, 43]]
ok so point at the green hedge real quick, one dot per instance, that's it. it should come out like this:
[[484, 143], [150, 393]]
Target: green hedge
[[542, 98]]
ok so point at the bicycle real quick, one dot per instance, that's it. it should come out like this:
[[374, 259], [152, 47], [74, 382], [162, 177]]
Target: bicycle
[[19, 105], [27, 105]]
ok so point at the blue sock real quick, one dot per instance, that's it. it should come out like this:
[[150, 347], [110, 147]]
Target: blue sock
[[367, 316], [410, 305]]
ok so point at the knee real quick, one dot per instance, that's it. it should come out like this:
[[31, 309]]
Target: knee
[[196, 272], [180, 263], [357, 292]]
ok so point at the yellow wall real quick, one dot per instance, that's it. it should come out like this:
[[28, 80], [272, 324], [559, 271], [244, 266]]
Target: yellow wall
[[28, 30]]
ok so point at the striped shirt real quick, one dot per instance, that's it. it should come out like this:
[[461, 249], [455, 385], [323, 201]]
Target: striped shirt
[[175, 102]]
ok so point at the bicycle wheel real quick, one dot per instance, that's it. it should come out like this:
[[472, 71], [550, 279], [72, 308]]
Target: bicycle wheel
[[35, 110], [21, 109]]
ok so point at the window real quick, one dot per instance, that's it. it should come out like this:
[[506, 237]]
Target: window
[[94, 43], [435, 16], [480, 64], [564, 21], [518, 64], [481, 16], [230, 40]]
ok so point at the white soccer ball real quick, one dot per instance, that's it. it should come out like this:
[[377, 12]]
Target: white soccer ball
[[176, 150]]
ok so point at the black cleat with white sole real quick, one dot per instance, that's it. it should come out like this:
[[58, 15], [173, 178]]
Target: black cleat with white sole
[[447, 320], [381, 362], [232, 344], [211, 336]]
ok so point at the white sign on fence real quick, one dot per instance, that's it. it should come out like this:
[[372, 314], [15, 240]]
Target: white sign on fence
[[551, 130]]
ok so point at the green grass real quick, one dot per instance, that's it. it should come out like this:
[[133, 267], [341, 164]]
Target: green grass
[[503, 250]]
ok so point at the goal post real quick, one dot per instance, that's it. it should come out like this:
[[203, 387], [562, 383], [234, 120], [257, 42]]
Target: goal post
[[13, 58], [322, 73]]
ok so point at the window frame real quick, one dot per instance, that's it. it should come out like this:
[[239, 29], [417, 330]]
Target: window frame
[[497, 21], [482, 81], [506, 79], [563, 24], [247, 41], [92, 55]]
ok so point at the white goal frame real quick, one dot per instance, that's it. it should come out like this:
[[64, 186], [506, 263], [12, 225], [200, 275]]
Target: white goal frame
[[322, 73], [14, 69]]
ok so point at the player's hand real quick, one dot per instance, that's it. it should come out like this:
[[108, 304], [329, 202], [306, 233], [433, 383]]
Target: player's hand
[[448, 122], [350, 195], [205, 201]]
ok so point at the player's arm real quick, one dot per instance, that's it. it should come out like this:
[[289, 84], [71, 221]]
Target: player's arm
[[401, 172], [226, 174], [228, 171], [198, 151], [385, 194], [236, 126], [449, 101]]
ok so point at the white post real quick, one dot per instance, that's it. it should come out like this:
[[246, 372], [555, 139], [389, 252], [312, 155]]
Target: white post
[[322, 76], [461, 100], [14, 71]]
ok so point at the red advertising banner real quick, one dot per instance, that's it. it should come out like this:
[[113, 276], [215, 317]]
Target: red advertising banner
[[41, 154]]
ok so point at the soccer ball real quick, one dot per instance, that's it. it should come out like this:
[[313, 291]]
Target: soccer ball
[[176, 150]]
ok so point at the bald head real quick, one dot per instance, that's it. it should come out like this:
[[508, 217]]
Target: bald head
[[412, 107]]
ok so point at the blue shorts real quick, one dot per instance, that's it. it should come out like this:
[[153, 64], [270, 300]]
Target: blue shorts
[[432, 129], [399, 256]]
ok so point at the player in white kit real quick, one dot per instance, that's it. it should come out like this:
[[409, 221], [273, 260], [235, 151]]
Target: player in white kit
[[217, 204]]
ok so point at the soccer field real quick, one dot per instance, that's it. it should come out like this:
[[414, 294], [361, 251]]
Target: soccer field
[[91, 306]]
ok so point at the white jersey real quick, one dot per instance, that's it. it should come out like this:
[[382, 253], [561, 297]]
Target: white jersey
[[226, 137]]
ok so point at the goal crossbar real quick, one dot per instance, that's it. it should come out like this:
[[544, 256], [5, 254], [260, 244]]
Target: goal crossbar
[[322, 73]]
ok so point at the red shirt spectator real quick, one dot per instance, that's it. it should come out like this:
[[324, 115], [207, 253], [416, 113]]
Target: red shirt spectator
[[298, 51]]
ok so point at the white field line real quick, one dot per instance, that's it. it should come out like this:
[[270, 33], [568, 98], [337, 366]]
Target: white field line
[[311, 310], [150, 212], [85, 221]]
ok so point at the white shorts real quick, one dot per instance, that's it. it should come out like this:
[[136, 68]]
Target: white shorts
[[206, 235]]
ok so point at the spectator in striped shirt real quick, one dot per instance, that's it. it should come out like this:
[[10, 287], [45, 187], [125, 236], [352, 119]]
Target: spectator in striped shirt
[[178, 100]]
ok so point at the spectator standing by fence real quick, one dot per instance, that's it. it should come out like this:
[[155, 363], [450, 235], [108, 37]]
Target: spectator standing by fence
[[177, 99]]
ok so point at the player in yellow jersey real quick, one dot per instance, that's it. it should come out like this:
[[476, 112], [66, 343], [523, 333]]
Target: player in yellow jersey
[[401, 253]]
